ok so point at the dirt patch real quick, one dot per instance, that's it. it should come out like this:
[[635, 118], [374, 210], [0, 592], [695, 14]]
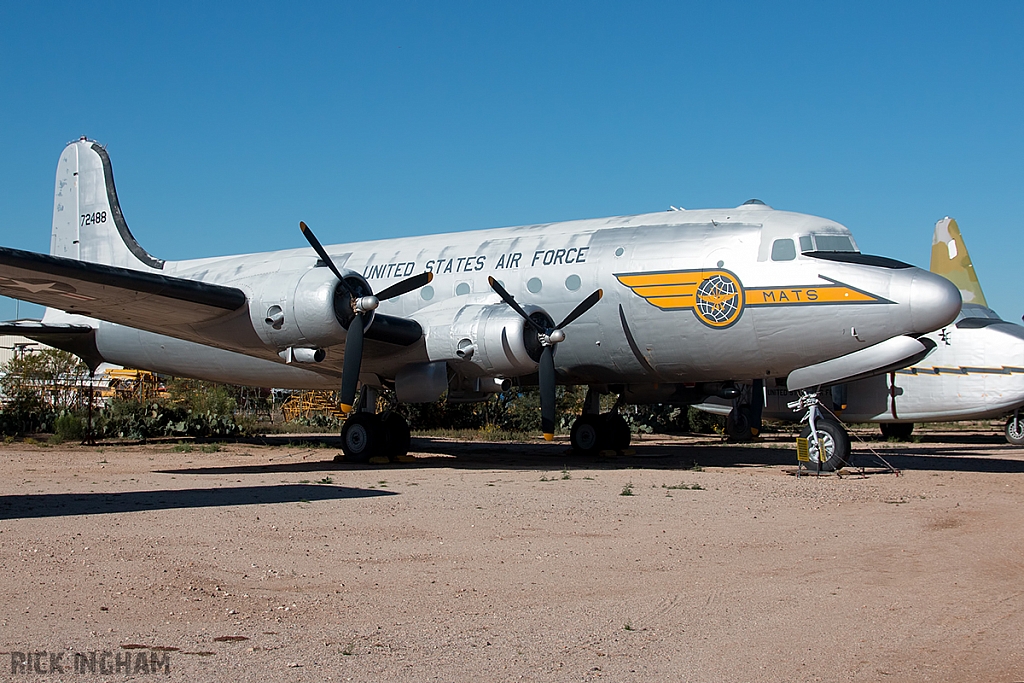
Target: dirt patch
[[514, 562]]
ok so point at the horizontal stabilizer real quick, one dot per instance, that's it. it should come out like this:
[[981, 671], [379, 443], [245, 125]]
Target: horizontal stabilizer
[[77, 339], [887, 356], [34, 328], [146, 300]]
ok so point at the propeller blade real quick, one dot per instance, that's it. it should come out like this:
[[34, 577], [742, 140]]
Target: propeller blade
[[581, 308], [406, 285], [353, 359], [546, 375], [507, 298], [322, 253]]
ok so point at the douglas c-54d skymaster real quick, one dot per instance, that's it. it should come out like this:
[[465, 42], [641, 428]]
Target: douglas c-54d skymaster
[[666, 307]]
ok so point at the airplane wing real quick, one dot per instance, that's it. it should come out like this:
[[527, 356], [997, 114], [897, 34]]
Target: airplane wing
[[149, 301]]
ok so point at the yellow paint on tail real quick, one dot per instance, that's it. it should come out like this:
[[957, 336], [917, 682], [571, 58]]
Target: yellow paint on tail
[[951, 260]]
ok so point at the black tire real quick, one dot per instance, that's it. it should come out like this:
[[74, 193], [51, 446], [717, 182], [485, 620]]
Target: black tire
[[1015, 431], [395, 431], [900, 431], [587, 435], [737, 424], [361, 437], [835, 441], [616, 433]]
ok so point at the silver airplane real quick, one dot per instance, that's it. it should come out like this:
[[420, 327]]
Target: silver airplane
[[976, 371], [662, 307]]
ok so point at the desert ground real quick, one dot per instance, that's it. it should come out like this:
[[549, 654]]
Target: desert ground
[[268, 561]]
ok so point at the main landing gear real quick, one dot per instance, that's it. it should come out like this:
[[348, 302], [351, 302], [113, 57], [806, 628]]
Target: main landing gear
[[900, 431], [744, 420], [367, 434], [594, 431]]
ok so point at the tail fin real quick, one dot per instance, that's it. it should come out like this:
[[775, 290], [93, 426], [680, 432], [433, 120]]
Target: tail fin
[[87, 220], [951, 260]]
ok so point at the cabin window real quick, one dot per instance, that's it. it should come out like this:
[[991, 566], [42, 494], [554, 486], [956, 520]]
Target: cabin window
[[427, 293], [462, 289], [783, 250], [573, 282], [534, 285]]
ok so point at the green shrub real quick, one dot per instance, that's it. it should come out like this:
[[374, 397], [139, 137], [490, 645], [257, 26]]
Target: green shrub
[[25, 413], [705, 423], [68, 427]]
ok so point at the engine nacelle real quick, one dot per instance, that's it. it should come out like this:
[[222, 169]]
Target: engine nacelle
[[299, 309], [488, 340]]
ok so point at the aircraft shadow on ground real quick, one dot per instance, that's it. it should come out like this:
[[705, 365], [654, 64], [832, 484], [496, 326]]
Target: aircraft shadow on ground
[[942, 459], [706, 452], [31, 506]]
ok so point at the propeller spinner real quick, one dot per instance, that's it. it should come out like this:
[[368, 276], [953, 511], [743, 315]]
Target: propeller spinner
[[548, 338], [361, 306]]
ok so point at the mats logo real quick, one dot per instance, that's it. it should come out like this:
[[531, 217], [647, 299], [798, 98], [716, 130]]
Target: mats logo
[[718, 298]]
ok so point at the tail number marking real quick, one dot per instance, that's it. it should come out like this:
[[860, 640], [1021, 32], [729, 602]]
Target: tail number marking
[[92, 218]]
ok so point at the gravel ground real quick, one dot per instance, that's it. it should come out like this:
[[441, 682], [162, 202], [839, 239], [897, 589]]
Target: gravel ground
[[267, 562]]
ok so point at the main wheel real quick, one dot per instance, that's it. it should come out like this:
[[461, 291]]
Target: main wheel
[[361, 437], [395, 431], [737, 424], [1015, 430], [615, 431], [586, 435], [833, 439], [900, 431]]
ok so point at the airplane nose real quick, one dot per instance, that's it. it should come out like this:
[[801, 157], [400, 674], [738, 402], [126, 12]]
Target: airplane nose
[[934, 302]]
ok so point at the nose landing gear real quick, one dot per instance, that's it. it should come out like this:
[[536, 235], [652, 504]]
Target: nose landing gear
[[828, 441]]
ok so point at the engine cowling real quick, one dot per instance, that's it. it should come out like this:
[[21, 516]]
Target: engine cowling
[[487, 340], [303, 309]]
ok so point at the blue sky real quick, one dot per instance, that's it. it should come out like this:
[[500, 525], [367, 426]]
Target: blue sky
[[227, 123]]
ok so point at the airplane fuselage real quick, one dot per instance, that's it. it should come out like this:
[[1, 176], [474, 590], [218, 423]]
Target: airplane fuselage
[[690, 296]]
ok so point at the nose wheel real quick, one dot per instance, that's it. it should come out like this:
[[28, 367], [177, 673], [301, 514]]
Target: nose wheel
[[832, 447]]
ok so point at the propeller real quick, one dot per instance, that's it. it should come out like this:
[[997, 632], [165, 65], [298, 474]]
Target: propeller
[[548, 338], [361, 306]]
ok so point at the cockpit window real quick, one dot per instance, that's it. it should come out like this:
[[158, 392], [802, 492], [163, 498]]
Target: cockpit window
[[783, 250], [825, 243], [833, 243], [976, 312]]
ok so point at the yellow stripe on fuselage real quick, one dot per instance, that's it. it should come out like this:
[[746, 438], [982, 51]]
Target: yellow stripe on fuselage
[[828, 294]]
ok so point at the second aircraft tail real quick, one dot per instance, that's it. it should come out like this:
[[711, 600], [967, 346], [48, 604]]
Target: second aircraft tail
[[951, 260]]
